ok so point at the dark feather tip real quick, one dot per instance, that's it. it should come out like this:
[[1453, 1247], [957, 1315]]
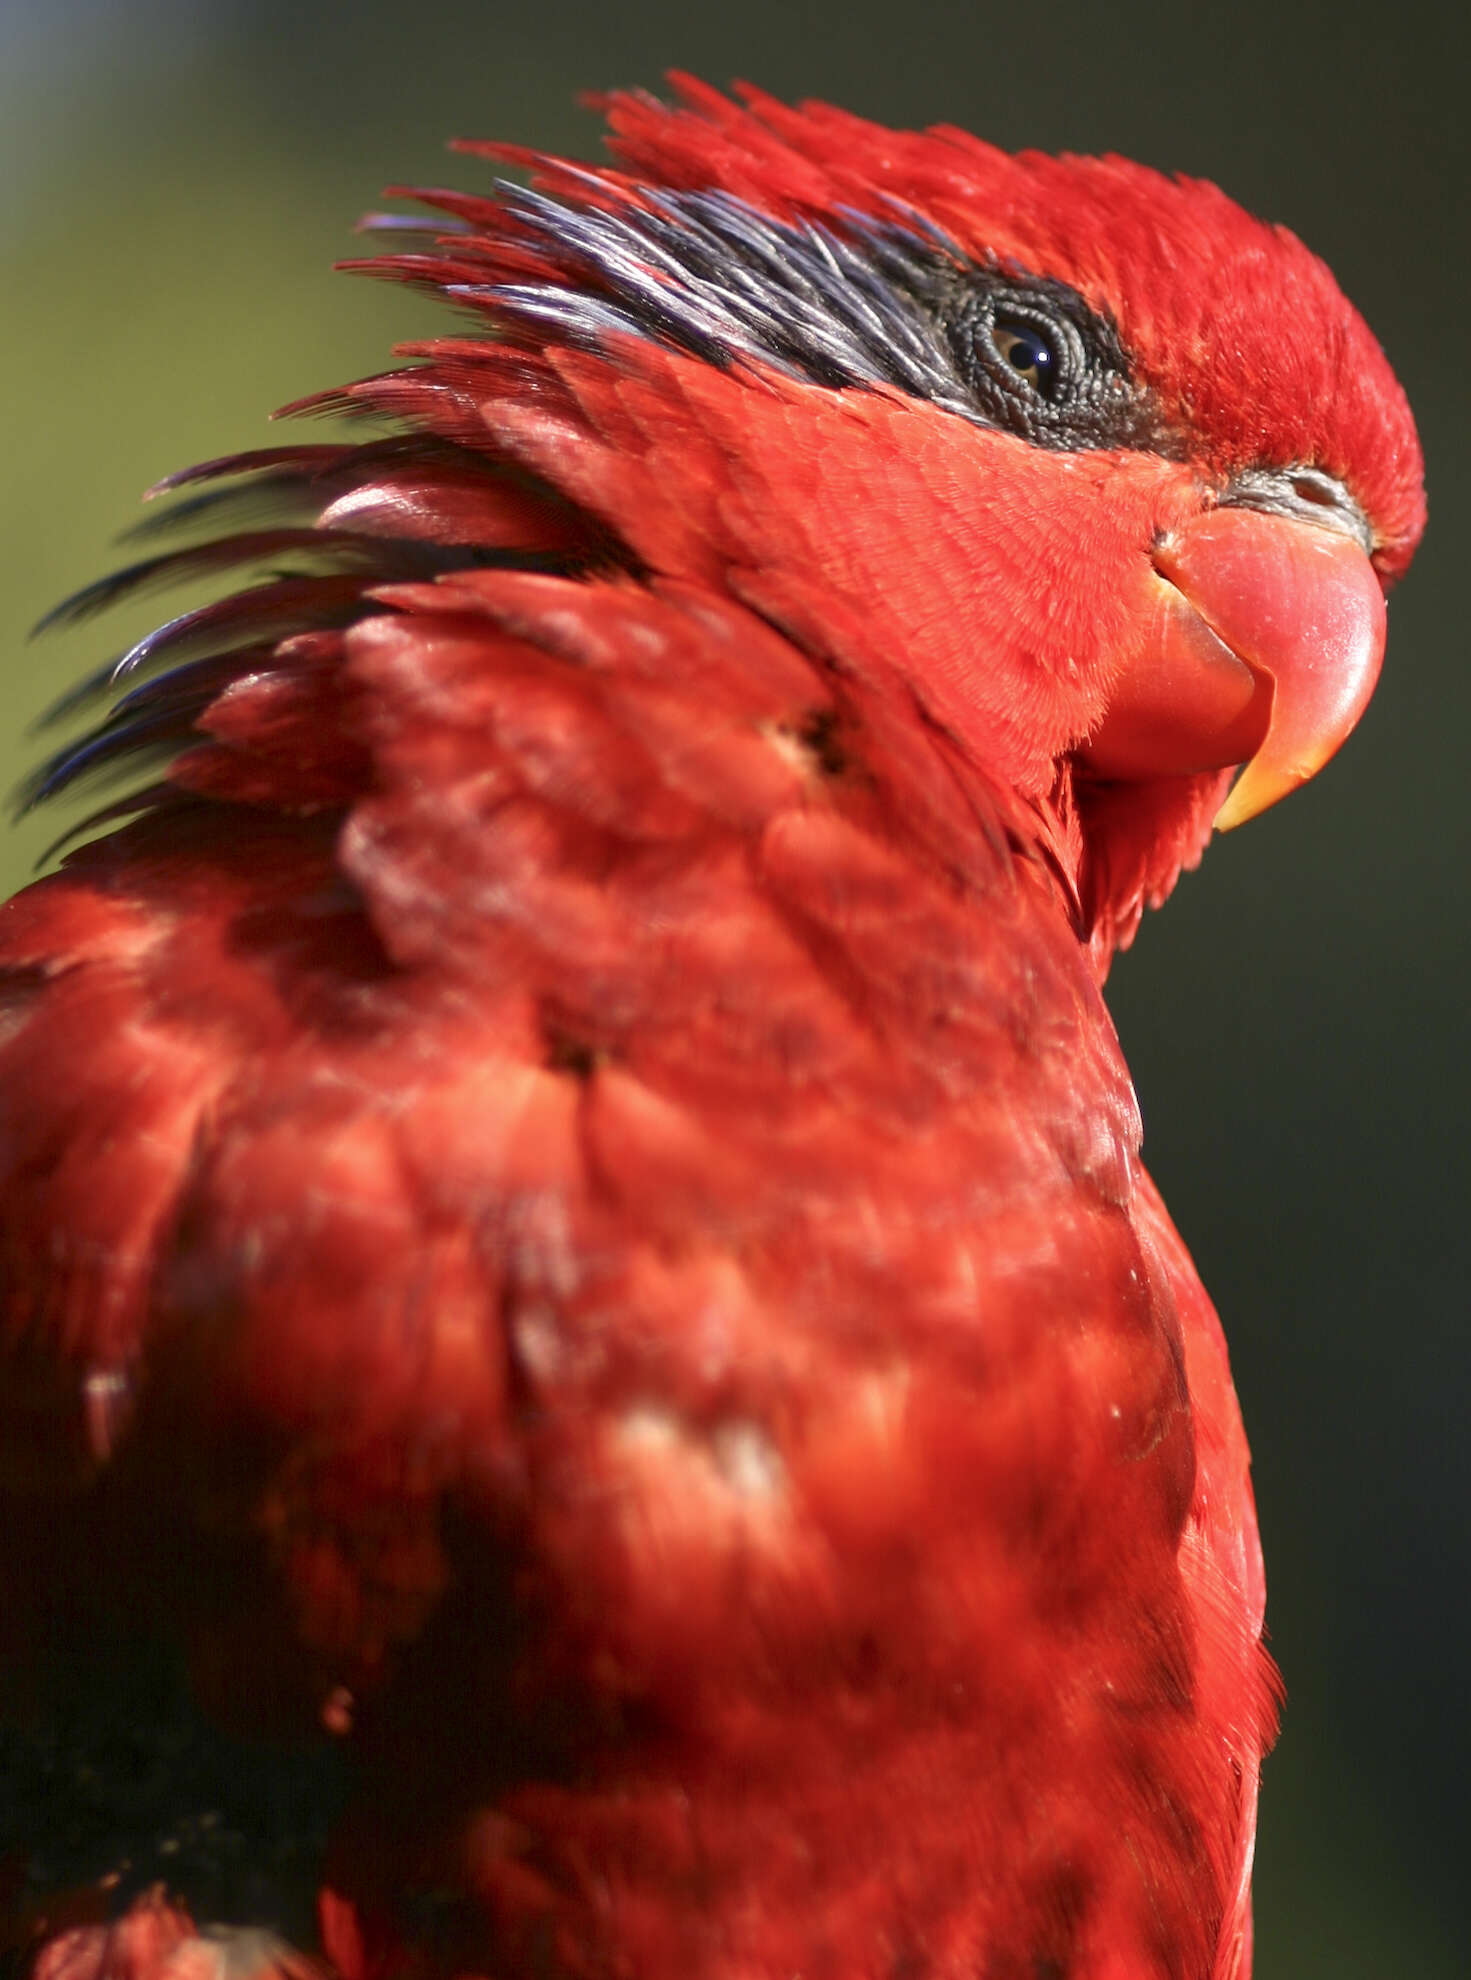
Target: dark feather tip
[[77, 697], [410, 223], [305, 456], [196, 560], [259, 498], [149, 798], [110, 748]]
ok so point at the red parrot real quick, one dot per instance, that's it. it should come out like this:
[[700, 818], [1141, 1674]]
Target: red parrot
[[572, 1209]]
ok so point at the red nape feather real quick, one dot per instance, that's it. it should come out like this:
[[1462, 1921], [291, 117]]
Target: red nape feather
[[570, 1210]]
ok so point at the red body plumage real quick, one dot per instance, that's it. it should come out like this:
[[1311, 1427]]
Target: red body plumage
[[570, 1195]]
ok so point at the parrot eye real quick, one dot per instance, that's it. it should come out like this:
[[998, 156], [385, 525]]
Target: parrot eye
[[1037, 360], [1028, 351]]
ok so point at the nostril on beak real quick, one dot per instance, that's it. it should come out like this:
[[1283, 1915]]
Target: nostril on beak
[[1308, 488], [1305, 493]]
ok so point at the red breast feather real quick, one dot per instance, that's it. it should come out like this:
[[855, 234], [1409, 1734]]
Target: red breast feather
[[570, 1196]]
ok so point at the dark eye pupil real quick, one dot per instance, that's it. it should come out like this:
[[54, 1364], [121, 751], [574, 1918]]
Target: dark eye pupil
[[1027, 351]]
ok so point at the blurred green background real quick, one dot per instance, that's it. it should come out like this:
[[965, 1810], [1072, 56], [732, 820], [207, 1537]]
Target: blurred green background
[[174, 181]]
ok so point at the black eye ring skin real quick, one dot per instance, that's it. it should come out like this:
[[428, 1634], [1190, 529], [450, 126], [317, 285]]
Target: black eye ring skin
[[1038, 361], [1000, 314]]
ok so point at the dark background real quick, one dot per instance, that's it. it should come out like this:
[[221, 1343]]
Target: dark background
[[174, 180]]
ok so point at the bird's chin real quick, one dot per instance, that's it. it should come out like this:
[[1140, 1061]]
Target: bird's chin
[[1260, 642]]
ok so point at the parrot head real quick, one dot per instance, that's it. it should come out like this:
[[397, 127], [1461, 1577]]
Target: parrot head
[[1111, 469], [1107, 474]]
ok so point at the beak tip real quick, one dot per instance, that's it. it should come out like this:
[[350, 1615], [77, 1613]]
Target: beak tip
[[1256, 790]]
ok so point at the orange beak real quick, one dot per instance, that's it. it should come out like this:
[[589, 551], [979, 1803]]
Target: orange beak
[[1263, 643]]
